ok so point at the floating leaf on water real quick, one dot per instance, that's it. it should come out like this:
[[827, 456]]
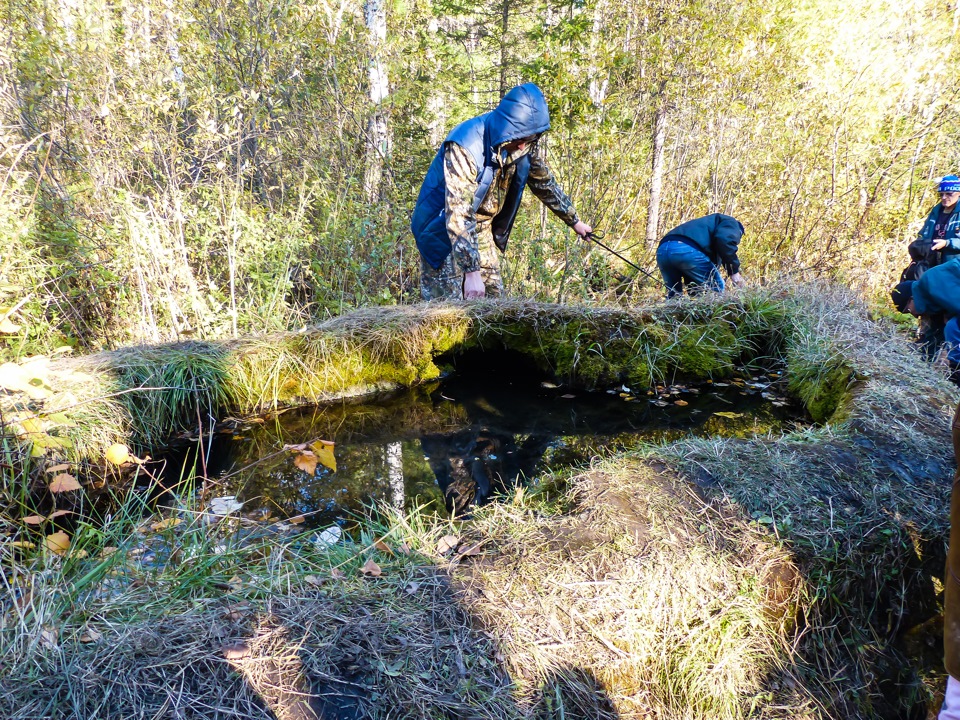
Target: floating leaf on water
[[57, 543], [549, 385], [164, 524], [371, 569], [328, 537], [324, 451], [225, 505], [728, 414], [568, 396], [307, 462], [721, 384], [447, 543], [660, 403], [117, 454], [681, 403], [296, 520]]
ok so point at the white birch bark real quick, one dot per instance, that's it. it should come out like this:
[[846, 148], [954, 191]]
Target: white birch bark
[[378, 132]]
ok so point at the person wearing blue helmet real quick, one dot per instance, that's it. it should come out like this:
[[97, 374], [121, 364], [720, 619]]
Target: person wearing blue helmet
[[941, 229], [472, 191]]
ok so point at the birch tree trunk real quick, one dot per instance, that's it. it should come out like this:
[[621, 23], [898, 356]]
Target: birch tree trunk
[[378, 131], [656, 175]]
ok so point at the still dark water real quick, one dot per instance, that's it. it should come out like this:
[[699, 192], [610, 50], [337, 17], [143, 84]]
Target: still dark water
[[493, 424]]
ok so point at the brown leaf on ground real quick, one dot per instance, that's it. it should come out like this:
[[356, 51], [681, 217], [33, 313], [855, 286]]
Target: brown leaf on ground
[[474, 549], [337, 574], [447, 543], [48, 636], [90, 636], [404, 548], [59, 513], [33, 520], [383, 547], [296, 520], [371, 569], [57, 543], [236, 651], [58, 468], [307, 462], [313, 580], [64, 483]]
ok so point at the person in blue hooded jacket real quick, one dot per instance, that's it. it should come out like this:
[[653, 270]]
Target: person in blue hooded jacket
[[941, 230], [691, 253], [472, 191], [936, 292]]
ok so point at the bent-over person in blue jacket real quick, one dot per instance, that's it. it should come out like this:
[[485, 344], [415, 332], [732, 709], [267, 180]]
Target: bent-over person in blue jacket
[[691, 253], [937, 291]]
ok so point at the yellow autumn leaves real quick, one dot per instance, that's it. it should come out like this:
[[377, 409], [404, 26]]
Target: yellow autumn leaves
[[309, 455]]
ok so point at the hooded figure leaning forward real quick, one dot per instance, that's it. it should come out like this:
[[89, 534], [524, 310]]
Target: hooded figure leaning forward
[[472, 192]]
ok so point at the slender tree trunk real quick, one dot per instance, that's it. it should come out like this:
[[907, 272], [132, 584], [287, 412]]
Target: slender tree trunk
[[656, 175], [393, 455], [504, 26], [378, 131]]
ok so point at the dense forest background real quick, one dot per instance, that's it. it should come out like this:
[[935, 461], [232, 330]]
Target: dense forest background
[[208, 168]]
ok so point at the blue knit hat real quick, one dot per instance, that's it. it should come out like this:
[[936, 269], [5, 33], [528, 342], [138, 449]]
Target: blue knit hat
[[949, 183]]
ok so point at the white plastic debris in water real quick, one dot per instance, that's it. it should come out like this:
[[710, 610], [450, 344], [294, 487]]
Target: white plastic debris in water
[[327, 538], [224, 505]]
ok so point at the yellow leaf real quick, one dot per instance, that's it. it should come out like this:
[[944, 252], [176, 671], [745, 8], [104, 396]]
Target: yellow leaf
[[371, 568], [33, 520], [164, 524], [64, 483], [8, 328], [324, 451], [296, 520], [58, 543], [117, 454], [25, 544], [307, 462]]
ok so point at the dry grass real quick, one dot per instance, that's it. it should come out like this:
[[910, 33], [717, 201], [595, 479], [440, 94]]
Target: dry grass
[[716, 578]]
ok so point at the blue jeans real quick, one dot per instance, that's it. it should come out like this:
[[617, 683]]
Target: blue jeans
[[681, 264]]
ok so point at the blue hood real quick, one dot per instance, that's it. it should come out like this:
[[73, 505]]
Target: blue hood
[[522, 113]]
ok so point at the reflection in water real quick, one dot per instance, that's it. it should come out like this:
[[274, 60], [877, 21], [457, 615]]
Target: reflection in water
[[455, 443]]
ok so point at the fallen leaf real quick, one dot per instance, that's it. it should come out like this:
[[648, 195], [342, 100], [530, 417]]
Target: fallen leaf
[[117, 454], [568, 396], [371, 568], [48, 636], [447, 543], [324, 451], [225, 505], [337, 574], [164, 524], [328, 537], [25, 544], [236, 651], [58, 468], [90, 636], [33, 520], [307, 462], [107, 551], [472, 550], [64, 483], [8, 328], [549, 385], [313, 580], [58, 543], [58, 513], [412, 587], [296, 520], [727, 414], [404, 548], [383, 547], [681, 403]]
